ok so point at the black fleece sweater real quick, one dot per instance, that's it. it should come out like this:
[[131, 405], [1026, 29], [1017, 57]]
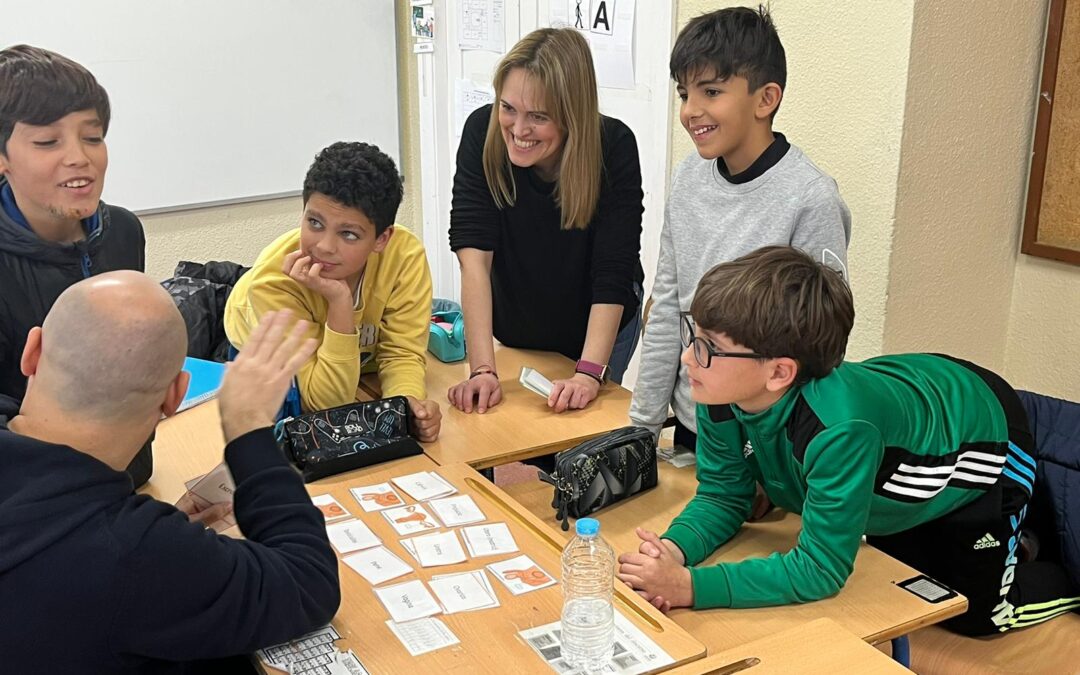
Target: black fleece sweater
[[97, 579], [544, 279]]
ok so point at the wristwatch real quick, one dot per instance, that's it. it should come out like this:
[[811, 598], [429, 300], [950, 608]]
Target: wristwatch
[[593, 370]]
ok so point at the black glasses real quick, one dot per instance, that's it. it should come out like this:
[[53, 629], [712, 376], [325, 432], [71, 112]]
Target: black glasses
[[703, 351]]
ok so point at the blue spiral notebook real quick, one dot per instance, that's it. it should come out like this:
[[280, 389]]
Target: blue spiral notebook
[[205, 382]]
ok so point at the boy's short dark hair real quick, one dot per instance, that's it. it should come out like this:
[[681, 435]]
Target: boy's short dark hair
[[39, 87], [778, 301], [735, 41], [360, 176]]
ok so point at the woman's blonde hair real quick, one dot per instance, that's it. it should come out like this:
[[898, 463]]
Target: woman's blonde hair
[[559, 61]]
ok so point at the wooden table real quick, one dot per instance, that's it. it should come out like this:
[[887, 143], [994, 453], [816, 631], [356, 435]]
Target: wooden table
[[870, 605], [820, 647], [522, 425], [189, 444], [489, 640]]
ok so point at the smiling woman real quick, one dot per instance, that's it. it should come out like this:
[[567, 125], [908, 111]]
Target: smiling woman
[[546, 224]]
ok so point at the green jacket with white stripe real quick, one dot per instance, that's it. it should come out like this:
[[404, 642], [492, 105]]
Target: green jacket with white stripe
[[874, 448]]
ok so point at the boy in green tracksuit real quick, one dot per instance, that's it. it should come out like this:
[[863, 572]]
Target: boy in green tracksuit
[[927, 455]]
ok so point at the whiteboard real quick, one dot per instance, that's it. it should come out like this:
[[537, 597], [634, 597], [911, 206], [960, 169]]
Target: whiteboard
[[222, 100]]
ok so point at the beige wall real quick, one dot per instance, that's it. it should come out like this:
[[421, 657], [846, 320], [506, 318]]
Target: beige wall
[[963, 174], [238, 232], [844, 105], [1043, 349]]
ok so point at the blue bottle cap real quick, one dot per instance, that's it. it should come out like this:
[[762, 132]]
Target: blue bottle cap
[[588, 527]]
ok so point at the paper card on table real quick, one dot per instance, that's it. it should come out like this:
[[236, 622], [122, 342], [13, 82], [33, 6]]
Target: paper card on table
[[331, 508], [410, 519], [492, 539], [521, 575], [407, 601], [351, 535], [439, 548], [377, 565], [423, 635], [459, 510], [424, 485], [409, 547], [376, 497], [535, 382], [463, 592]]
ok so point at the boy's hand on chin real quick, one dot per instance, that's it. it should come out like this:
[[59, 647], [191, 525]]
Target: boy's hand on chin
[[303, 270]]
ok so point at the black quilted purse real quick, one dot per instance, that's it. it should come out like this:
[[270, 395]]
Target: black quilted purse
[[602, 471], [332, 441]]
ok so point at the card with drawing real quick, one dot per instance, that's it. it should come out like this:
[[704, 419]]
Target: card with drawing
[[521, 575], [376, 497], [331, 508], [410, 519]]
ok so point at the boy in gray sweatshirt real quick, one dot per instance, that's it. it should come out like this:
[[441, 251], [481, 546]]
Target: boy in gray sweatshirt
[[747, 187]]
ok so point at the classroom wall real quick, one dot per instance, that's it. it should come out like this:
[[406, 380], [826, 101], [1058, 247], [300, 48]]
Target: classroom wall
[[238, 232], [847, 74], [1043, 349], [967, 135]]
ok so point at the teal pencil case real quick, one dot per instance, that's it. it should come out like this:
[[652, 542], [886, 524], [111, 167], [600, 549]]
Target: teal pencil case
[[446, 334]]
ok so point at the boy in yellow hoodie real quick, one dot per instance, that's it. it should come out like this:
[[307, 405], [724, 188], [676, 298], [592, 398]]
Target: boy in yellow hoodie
[[364, 285]]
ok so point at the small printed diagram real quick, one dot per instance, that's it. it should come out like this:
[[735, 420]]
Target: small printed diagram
[[423, 21]]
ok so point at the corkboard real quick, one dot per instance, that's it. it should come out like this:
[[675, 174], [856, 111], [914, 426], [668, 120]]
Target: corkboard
[[1052, 221]]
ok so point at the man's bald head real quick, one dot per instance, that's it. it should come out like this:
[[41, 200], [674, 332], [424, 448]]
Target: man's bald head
[[110, 347]]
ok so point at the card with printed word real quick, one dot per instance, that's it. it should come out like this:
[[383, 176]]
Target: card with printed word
[[351, 535], [459, 510], [331, 508], [377, 565], [376, 497], [433, 550], [215, 487], [463, 592], [424, 485], [411, 519], [521, 575], [492, 539], [407, 601]]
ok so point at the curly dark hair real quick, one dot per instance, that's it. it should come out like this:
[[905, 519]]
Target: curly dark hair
[[39, 87], [360, 176]]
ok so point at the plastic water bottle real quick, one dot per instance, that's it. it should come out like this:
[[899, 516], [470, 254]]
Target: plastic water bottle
[[588, 616]]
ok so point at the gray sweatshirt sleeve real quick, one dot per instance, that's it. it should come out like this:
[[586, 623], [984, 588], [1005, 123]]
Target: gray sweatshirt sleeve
[[823, 224], [660, 347]]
